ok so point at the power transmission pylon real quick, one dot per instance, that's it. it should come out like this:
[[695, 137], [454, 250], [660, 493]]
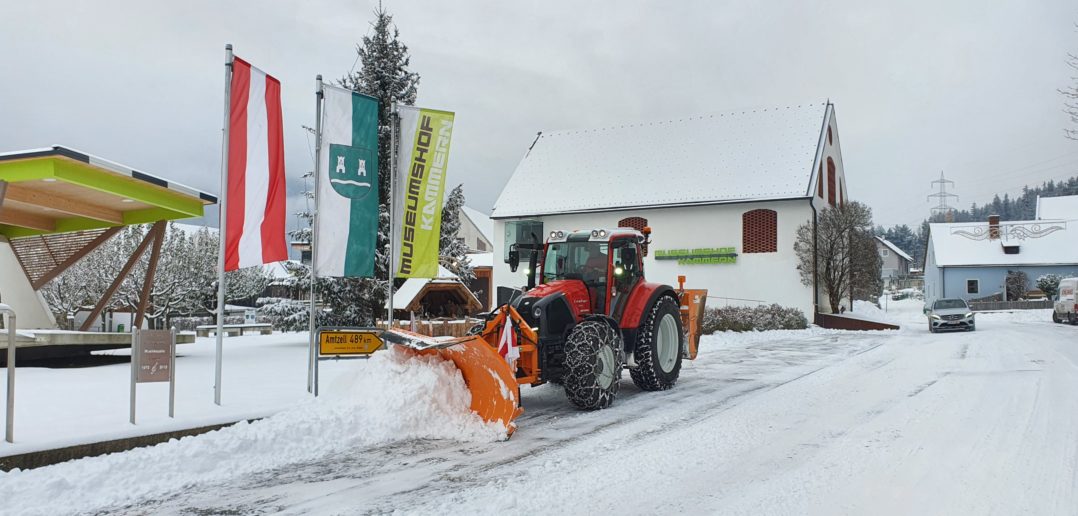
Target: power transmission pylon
[[942, 207]]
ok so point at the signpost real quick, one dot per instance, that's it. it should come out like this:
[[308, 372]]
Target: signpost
[[9, 433], [346, 343], [153, 359]]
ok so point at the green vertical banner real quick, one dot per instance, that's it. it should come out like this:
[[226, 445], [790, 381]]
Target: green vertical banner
[[347, 201], [420, 183]]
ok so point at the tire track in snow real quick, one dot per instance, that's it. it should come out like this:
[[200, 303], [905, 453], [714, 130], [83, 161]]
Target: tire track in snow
[[376, 475]]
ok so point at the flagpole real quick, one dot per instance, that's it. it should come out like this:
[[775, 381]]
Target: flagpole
[[312, 355], [393, 126], [222, 204]]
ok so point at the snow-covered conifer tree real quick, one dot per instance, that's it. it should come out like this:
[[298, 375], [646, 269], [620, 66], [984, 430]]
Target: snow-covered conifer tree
[[453, 252]]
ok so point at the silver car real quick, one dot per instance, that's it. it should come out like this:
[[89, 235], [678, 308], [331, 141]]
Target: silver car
[[950, 315]]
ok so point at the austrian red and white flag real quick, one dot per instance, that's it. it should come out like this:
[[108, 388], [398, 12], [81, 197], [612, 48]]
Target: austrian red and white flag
[[255, 219], [507, 343]]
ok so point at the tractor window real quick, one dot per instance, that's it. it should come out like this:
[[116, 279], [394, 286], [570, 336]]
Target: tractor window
[[627, 272], [520, 232], [576, 260], [626, 262]]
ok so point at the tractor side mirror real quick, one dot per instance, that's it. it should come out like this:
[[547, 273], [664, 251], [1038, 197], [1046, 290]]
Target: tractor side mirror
[[514, 258]]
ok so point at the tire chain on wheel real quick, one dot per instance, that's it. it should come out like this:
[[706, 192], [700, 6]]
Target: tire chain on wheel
[[582, 365], [647, 375]]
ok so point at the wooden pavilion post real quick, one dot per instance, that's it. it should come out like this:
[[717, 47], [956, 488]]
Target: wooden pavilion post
[[119, 279], [158, 232]]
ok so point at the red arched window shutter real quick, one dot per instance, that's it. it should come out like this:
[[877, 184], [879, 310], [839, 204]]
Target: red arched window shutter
[[831, 181], [759, 231]]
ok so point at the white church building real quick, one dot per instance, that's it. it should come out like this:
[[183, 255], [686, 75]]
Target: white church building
[[722, 193]]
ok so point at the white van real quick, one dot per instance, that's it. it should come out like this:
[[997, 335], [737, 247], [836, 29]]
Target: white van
[[1066, 302]]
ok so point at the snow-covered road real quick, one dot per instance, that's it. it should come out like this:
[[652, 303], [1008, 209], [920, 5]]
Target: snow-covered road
[[808, 422]]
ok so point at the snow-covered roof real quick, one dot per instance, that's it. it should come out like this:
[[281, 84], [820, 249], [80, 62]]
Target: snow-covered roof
[[482, 222], [406, 293], [1063, 207], [481, 259], [278, 270], [724, 157], [1040, 242], [890, 245]]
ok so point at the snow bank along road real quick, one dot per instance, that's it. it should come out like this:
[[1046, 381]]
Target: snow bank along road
[[799, 422]]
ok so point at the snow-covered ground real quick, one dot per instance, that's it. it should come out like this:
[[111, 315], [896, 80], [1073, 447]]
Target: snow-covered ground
[[785, 422], [63, 407]]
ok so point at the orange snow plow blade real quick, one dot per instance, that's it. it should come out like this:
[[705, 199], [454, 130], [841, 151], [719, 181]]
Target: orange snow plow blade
[[492, 382]]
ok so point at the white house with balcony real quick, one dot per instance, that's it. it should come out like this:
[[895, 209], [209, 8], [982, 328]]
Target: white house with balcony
[[723, 193]]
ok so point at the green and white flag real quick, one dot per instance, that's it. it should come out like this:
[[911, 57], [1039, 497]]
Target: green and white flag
[[420, 182], [347, 201]]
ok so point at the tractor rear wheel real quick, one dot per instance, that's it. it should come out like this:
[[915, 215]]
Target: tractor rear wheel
[[658, 348], [593, 363]]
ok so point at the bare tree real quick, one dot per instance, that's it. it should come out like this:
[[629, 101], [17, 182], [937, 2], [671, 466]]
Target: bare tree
[[1071, 95], [830, 254]]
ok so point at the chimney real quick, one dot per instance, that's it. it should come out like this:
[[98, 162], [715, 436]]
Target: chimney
[[993, 227]]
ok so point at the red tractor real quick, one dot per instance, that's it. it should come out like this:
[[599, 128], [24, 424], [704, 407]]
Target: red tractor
[[595, 314], [591, 315]]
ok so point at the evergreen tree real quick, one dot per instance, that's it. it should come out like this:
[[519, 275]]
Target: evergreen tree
[[383, 74], [865, 279], [452, 251], [1049, 284]]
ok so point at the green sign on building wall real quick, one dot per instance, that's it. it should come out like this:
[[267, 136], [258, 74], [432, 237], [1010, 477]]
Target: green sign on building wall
[[702, 256]]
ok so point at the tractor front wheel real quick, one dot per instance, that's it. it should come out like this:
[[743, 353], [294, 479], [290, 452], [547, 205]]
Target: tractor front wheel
[[593, 362], [658, 347]]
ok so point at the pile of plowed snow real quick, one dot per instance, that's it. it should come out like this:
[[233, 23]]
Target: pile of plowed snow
[[394, 396]]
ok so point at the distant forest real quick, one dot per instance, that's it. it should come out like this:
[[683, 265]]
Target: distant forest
[[1020, 207]]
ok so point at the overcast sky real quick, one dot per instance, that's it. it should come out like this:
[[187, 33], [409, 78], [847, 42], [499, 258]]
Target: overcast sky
[[968, 88]]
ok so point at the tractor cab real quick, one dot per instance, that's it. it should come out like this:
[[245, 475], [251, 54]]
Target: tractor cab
[[608, 263]]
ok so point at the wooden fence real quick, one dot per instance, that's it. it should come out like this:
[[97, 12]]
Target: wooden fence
[[436, 327], [979, 306]]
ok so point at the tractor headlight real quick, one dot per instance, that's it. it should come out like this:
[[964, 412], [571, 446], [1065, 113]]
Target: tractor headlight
[[553, 235], [618, 271], [527, 271], [594, 233], [602, 233], [538, 312]]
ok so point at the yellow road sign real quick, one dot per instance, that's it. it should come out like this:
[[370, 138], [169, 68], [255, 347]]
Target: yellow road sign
[[348, 341]]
